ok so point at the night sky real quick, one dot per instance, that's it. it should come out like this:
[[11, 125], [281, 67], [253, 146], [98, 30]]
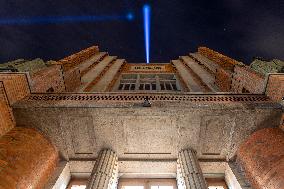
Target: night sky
[[241, 29]]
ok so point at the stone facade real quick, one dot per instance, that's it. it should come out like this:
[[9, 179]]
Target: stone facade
[[146, 113]]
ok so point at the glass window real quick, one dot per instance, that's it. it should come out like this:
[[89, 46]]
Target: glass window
[[147, 86], [133, 187], [78, 186], [120, 87], [162, 86], [153, 86], [141, 87], [126, 87], [132, 87], [168, 86], [162, 187]]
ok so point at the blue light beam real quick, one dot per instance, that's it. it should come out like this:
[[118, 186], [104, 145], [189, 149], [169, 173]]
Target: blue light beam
[[147, 15], [63, 19]]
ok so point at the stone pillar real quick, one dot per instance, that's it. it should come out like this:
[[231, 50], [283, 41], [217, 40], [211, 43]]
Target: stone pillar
[[105, 171], [189, 174]]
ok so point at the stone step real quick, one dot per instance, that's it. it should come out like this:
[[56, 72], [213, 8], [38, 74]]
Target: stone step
[[108, 76], [95, 71], [209, 64], [206, 77], [188, 78], [92, 62], [94, 75]]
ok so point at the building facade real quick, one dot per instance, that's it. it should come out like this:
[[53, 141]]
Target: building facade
[[202, 120]]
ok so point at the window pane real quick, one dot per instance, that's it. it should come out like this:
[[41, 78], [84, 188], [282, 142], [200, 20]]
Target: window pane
[[120, 87], [162, 187], [133, 187], [78, 187], [174, 87], [126, 87], [162, 86], [141, 87], [147, 86], [132, 87], [153, 86], [168, 86]]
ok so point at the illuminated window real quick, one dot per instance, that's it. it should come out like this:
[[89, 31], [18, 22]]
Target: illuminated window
[[133, 187], [78, 186], [162, 187], [216, 187], [148, 82], [147, 184]]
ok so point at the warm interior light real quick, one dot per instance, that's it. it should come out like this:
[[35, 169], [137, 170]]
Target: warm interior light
[[162, 187], [133, 187], [215, 187], [78, 186]]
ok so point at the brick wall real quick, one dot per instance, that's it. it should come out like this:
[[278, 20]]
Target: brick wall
[[6, 117], [13, 87], [16, 86], [27, 159], [262, 158], [246, 79], [48, 78], [72, 79], [77, 58], [223, 79], [222, 60], [275, 87]]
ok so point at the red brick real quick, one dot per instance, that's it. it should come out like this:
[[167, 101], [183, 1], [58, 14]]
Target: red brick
[[244, 77], [49, 77], [262, 158], [275, 87], [27, 159], [222, 60]]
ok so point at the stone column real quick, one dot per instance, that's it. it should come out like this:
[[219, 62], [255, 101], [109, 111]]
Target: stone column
[[105, 171], [189, 174]]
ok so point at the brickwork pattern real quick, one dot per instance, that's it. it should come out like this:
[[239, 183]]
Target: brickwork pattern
[[27, 159], [6, 117], [262, 158], [275, 87], [77, 58], [16, 86], [72, 79], [47, 78], [224, 61], [248, 79], [223, 79]]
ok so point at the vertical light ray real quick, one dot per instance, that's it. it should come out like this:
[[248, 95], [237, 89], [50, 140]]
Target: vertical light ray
[[146, 15]]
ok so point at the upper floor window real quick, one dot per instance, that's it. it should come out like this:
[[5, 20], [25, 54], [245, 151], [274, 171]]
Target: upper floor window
[[148, 82]]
